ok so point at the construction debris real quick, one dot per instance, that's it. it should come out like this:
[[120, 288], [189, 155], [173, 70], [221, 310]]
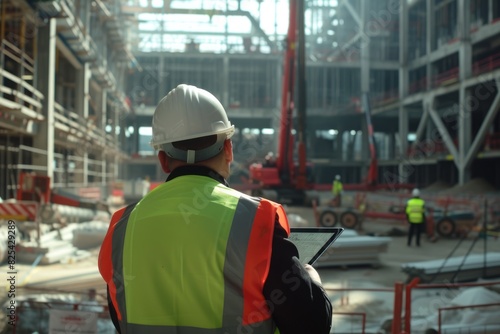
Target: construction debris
[[90, 234], [353, 249], [455, 269]]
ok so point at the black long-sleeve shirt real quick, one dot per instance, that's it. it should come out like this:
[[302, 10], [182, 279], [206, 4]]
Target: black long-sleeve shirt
[[298, 304]]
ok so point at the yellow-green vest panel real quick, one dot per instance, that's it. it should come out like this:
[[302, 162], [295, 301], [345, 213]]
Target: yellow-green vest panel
[[168, 284], [415, 209]]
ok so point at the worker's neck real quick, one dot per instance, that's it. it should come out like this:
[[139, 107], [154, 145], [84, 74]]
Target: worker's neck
[[216, 166]]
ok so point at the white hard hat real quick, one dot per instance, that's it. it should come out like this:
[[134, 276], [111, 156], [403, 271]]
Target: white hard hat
[[415, 192], [337, 177], [188, 112]]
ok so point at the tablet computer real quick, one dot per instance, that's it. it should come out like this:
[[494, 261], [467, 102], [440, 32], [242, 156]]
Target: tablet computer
[[311, 242]]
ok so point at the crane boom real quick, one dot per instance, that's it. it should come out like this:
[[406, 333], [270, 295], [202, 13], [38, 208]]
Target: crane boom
[[285, 158], [288, 177], [372, 176]]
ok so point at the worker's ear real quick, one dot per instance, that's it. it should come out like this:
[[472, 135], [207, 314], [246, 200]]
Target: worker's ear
[[162, 157], [228, 150]]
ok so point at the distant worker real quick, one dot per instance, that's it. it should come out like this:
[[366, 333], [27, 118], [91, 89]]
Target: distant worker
[[337, 190], [415, 214], [269, 160], [195, 256]]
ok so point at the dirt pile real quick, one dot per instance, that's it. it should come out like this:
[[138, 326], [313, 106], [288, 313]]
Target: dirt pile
[[474, 186], [437, 187]]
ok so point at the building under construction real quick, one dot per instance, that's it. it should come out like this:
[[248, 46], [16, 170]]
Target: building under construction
[[79, 81], [388, 94]]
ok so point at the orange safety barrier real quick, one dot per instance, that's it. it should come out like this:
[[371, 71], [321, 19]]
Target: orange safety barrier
[[20, 210]]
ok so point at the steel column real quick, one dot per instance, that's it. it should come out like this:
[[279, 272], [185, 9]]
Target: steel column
[[44, 139]]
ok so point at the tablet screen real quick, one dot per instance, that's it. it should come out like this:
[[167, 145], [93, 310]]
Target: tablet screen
[[311, 242]]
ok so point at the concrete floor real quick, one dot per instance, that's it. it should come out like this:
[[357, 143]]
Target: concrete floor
[[397, 254]]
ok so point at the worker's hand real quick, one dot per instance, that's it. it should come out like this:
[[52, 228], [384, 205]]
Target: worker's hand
[[313, 273]]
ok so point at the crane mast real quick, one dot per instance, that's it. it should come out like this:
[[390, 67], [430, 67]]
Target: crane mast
[[285, 154], [294, 66], [289, 177]]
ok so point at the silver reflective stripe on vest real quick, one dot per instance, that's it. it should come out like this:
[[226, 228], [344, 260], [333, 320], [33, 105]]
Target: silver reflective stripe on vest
[[117, 259], [234, 266], [234, 270]]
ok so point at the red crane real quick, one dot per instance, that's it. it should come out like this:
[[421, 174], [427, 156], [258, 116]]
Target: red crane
[[290, 176], [285, 176], [372, 176]]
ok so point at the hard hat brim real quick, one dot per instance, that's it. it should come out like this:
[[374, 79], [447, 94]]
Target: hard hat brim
[[228, 132], [192, 156]]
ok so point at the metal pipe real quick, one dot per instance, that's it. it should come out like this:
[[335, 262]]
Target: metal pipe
[[408, 289], [398, 305]]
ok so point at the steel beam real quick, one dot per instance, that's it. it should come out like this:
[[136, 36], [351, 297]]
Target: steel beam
[[209, 12], [464, 133], [442, 130], [351, 10], [421, 126], [481, 134]]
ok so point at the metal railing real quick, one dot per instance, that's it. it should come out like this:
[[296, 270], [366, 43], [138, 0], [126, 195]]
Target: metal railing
[[442, 309], [487, 64], [446, 78], [414, 284], [16, 93]]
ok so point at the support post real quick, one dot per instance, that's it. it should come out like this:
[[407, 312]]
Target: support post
[[398, 307], [46, 68], [408, 290]]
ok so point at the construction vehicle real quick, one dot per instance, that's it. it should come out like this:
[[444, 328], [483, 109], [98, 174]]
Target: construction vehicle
[[352, 216], [289, 179], [37, 208]]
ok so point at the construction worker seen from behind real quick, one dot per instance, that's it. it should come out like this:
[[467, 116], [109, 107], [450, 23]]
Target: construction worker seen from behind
[[195, 256], [337, 190], [415, 214]]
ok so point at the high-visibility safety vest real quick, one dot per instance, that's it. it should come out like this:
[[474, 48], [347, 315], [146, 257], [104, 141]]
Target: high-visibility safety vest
[[337, 187], [191, 257], [415, 210]]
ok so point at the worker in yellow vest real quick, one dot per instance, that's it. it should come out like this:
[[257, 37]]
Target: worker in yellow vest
[[195, 256], [415, 214], [337, 190]]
